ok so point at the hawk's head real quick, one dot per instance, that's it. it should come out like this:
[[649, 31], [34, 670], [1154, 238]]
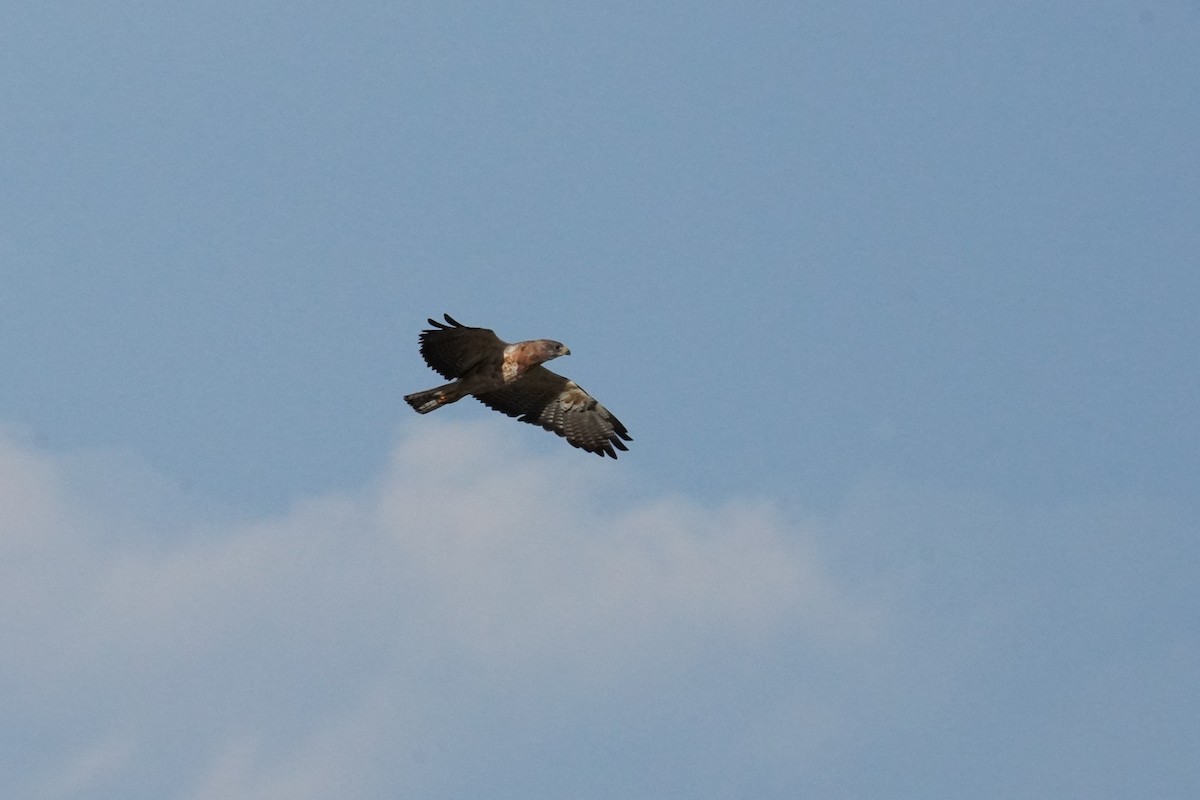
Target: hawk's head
[[552, 349]]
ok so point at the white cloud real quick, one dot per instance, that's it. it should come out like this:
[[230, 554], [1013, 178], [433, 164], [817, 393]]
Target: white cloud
[[482, 622], [472, 612]]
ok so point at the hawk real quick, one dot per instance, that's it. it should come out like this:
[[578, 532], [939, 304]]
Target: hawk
[[510, 378]]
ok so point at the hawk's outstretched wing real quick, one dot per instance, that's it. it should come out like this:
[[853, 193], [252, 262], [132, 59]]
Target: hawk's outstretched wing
[[453, 349], [545, 398]]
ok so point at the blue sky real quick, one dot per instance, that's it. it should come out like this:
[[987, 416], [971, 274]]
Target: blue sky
[[899, 304]]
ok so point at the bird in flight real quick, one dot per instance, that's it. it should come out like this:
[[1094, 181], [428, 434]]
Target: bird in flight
[[510, 378]]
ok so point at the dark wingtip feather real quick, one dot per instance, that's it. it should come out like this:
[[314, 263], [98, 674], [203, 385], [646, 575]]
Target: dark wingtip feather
[[443, 326]]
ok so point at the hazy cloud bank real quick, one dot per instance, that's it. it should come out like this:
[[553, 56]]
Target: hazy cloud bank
[[480, 621], [474, 619]]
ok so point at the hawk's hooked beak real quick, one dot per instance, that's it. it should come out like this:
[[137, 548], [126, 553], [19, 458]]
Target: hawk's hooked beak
[[566, 351]]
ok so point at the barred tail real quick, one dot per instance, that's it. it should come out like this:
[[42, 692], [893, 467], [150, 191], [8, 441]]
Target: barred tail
[[428, 400]]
